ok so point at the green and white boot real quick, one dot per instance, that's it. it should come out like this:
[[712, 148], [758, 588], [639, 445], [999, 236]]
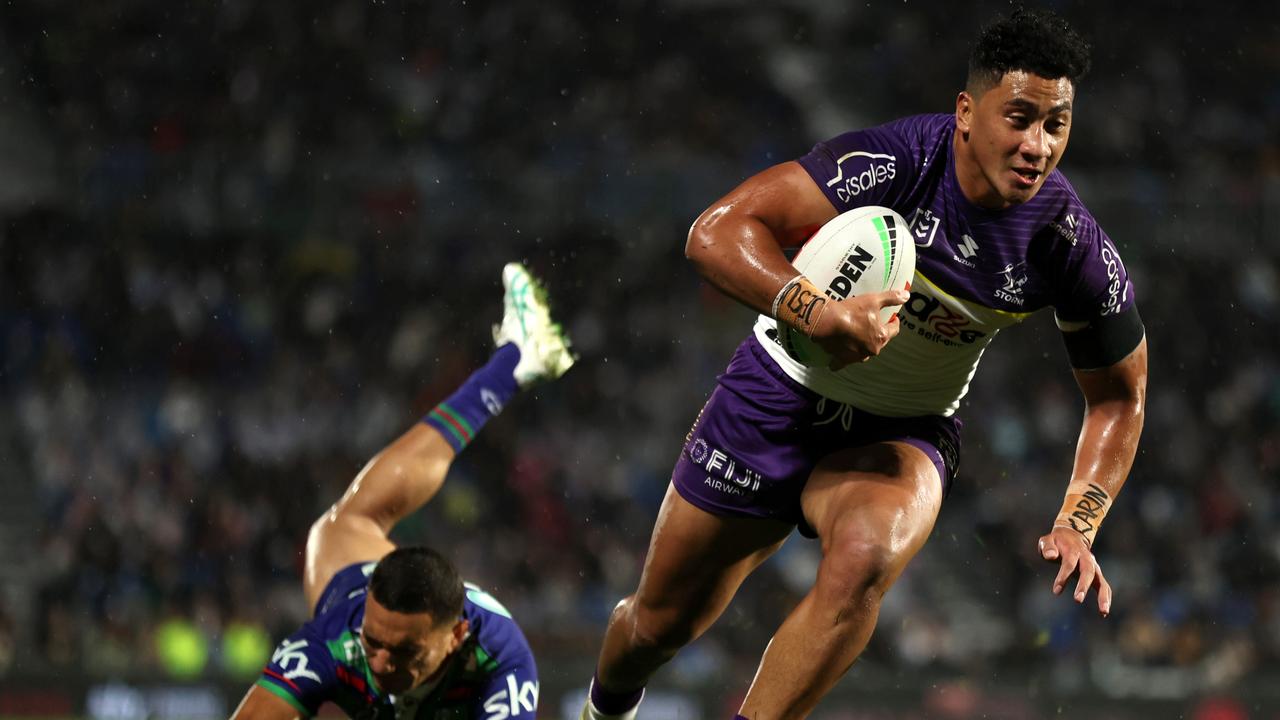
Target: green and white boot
[[526, 321]]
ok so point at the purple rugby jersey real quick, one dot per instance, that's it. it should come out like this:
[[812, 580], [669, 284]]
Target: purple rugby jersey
[[977, 270]]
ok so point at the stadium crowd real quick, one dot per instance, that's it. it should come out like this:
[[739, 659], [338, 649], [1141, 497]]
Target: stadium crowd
[[275, 241]]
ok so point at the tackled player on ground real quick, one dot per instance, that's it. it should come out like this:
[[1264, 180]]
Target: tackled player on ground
[[395, 632]]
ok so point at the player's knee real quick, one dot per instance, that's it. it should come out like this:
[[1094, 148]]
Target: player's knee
[[651, 629], [857, 567]]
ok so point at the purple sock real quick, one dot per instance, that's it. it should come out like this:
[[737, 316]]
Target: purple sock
[[481, 397], [611, 703]]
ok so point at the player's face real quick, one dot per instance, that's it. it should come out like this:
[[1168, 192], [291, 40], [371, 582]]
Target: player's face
[[406, 649], [1011, 137]]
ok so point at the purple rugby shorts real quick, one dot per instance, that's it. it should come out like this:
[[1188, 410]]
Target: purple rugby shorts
[[761, 433]]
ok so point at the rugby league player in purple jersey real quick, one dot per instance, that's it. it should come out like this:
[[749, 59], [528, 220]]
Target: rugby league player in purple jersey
[[860, 455]]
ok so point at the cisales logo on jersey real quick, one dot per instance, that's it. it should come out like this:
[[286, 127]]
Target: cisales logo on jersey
[[866, 171]]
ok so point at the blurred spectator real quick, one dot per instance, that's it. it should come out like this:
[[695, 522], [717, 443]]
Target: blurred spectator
[[7, 640]]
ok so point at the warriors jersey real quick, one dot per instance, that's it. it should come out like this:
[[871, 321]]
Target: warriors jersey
[[977, 270], [491, 676]]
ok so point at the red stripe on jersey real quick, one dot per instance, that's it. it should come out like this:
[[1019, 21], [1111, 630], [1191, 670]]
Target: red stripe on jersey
[[352, 679], [281, 678]]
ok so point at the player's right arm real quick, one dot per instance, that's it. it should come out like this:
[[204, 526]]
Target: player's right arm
[[396, 482], [261, 704], [295, 682], [736, 245]]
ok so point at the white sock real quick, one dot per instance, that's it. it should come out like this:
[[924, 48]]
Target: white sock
[[589, 711]]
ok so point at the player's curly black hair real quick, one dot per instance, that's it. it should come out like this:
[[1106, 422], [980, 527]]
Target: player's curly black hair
[[1037, 41]]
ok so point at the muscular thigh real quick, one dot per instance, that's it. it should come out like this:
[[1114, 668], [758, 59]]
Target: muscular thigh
[[885, 494], [697, 560]]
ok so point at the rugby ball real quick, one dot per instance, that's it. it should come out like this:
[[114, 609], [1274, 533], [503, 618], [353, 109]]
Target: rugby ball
[[865, 250]]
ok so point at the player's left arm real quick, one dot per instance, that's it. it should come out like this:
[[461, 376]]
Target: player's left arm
[[396, 482], [1109, 359]]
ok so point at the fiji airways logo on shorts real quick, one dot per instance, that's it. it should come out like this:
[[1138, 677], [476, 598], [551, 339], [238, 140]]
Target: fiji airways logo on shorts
[[866, 171], [724, 472]]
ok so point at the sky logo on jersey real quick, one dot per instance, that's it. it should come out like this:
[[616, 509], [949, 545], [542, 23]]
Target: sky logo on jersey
[[291, 653], [924, 225], [517, 700], [866, 171]]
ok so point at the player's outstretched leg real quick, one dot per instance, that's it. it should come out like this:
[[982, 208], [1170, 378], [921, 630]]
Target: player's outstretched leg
[[531, 348], [407, 473], [873, 509]]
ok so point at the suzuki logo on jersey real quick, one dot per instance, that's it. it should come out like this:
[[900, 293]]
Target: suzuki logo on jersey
[[291, 653], [1013, 282], [924, 225], [937, 322], [519, 698], [864, 175], [968, 247]]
